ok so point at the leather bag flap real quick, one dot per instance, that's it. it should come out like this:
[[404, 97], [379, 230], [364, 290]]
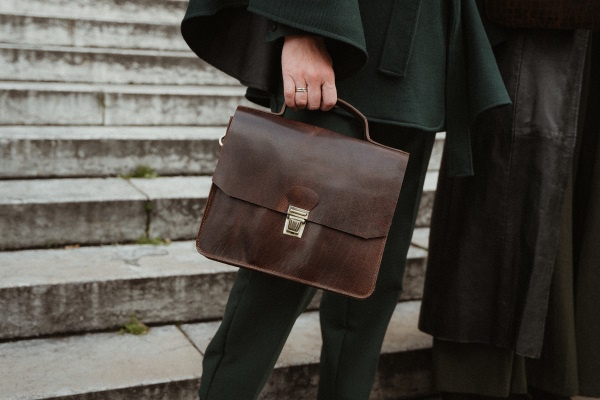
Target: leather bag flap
[[346, 184]]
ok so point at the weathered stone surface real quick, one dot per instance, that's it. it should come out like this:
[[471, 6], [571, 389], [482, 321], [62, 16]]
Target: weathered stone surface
[[74, 64], [62, 31], [61, 211], [160, 365], [31, 151], [150, 11], [165, 365], [60, 291], [208, 106], [27, 103], [426, 205], [38, 213], [177, 205], [414, 275], [436, 154], [174, 390], [420, 238], [404, 369]]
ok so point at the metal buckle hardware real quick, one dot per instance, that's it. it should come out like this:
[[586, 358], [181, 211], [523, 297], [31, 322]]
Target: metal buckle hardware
[[295, 221]]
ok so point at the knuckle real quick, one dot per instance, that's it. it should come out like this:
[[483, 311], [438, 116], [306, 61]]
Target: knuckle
[[288, 90], [312, 76], [329, 84]]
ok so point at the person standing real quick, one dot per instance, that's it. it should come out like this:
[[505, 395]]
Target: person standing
[[412, 68], [512, 277]]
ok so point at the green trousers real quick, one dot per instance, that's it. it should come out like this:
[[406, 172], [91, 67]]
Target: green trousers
[[262, 309]]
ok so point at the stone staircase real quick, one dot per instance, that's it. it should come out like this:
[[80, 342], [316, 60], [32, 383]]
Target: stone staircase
[[94, 95]]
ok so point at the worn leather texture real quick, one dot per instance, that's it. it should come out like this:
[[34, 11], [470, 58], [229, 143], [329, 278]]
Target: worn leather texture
[[349, 186], [546, 14], [493, 239]]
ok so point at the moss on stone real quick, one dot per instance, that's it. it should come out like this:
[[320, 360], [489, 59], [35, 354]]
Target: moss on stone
[[157, 241], [134, 327], [141, 171]]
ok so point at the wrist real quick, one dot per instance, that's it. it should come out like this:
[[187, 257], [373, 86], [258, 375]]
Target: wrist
[[305, 37]]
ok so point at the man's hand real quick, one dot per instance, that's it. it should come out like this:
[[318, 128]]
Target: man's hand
[[305, 63]]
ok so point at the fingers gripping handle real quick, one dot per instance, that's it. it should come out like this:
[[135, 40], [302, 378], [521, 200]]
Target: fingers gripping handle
[[341, 104]]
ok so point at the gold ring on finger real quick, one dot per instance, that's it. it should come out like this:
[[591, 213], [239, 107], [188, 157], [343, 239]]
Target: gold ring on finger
[[301, 90]]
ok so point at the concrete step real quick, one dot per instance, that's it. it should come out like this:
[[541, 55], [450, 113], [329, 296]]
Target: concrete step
[[150, 11], [166, 363], [426, 205], [90, 65], [38, 212], [160, 365], [404, 367], [83, 151], [37, 103], [85, 32], [420, 238], [436, 154], [86, 151], [57, 291]]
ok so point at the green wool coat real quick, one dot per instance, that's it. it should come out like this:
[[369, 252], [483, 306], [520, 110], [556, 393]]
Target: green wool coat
[[414, 63]]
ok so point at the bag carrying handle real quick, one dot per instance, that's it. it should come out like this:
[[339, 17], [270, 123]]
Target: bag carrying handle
[[347, 107], [343, 104]]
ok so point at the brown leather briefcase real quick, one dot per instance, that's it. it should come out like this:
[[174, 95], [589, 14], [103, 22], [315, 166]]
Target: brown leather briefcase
[[302, 202]]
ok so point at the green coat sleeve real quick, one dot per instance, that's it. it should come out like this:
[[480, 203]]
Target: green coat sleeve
[[230, 35], [338, 21], [473, 83]]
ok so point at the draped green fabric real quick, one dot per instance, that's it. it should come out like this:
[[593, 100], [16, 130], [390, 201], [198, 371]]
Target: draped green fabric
[[414, 63], [473, 83], [338, 21], [227, 34]]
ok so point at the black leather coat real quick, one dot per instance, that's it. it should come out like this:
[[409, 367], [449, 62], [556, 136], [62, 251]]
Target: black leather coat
[[494, 236]]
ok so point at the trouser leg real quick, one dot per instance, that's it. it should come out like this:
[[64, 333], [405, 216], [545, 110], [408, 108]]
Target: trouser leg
[[259, 316], [262, 310], [260, 313], [353, 330]]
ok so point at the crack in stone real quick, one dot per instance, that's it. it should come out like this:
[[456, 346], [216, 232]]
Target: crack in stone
[[133, 257]]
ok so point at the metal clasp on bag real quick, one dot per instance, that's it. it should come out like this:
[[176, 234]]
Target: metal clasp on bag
[[295, 221]]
